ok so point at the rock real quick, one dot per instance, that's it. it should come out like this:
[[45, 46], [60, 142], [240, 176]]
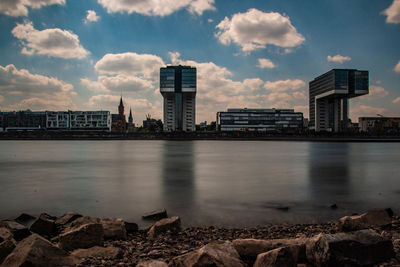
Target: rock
[[19, 231], [152, 263], [333, 206], [7, 243], [389, 212], [79, 222], [25, 219], [364, 247], [212, 254], [98, 252], [37, 251], [44, 226], [66, 219], [85, 236], [249, 249], [279, 257], [372, 218], [172, 224], [155, 215], [131, 227], [114, 228]]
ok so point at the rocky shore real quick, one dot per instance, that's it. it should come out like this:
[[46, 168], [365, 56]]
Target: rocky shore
[[369, 239]]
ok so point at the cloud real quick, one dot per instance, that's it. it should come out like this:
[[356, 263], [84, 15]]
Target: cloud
[[397, 67], [304, 109], [210, 20], [361, 110], [156, 7], [18, 8], [143, 65], [37, 91], [1, 98], [265, 63], [51, 42], [283, 85], [339, 59], [393, 12], [119, 83], [91, 16], [396, 100], [375, 91], [255, 29]]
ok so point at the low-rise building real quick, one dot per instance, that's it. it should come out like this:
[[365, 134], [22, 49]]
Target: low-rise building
[[22, 120], [78, 120], [259, 120], [379, 124]]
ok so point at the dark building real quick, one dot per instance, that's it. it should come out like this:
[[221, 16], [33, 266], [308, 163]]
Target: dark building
[[178, 88], [329, 94], [131, 125], [118, 121], [152, 125], [259, 120], [23, 120]]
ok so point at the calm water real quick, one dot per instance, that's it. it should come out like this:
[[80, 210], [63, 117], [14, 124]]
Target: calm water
[[222, 183]]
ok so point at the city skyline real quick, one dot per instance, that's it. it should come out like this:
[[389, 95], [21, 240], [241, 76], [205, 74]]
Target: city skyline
[[64, 54]]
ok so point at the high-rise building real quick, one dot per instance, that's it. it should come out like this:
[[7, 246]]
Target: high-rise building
[[178, 88], [329, 94]]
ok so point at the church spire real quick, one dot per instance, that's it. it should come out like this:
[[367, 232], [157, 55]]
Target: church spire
[[130, 118], [121, 107]]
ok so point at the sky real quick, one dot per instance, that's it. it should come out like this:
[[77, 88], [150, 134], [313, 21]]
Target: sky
[[83, 54]]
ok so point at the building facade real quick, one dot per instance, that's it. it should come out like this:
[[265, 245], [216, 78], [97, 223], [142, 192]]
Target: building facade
[[379, 124], [178, 86], [328, 98], [259, 120], [22, 120], [78, 120], [118, 121]]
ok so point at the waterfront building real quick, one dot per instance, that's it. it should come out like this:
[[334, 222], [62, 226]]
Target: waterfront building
[[152, 125], [379, 124], [259, 120], [328, 98], [78, 120], [22, 120], [118, 121], [178, 88]]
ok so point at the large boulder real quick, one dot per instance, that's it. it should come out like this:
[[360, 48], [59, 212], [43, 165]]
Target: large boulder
[[45, 226], [98, 252], [372, 218], [85, 236], [18, 230], [249, 249], [172, 224], [279, 257], [37, 251], [155, 215], [364, 247], [114, 228], [152, 263], [66, 219], [212, 254], [25, 219], [7, 243], [131, 227]]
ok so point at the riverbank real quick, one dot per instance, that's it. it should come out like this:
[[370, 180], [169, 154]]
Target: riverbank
[[75, 240]]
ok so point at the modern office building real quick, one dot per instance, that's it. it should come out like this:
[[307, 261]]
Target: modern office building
[[22, 120], [379, 124], [78, 120], [329, 94], [259, 120], [178, 88]]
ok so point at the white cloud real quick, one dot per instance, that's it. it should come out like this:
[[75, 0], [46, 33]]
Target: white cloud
[[35, 91], [376, 91], [18, 8], [397, 68], [119, 83], [265, 63], [361, 110], [393, 12], [283, 85], [157, 7], [339, 59], [50, 42], [396, 100], [210, 20], [91, 16], [255, 29], [1, 98], [304, 109], [144, 65]]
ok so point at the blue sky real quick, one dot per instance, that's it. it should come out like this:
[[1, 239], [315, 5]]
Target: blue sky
[[81, 54]]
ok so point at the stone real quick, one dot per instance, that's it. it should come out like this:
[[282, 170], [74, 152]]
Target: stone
[[152, 263], [44, 226], [7, 243], [212, 254], [66, 219], [131, 227], [84, 236], [172, 224], [98, 252], [18, 230], [279, 257], [334, 206], [79, 222], [372, 218], [249, 249], [114, 229], [25, 219], [364, 247], [155, 215], [37, 251]]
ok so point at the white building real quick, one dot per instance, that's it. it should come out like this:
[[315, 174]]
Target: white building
[[78, 120]]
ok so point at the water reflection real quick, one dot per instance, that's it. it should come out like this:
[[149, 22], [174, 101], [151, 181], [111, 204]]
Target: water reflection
[[178, 176]]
